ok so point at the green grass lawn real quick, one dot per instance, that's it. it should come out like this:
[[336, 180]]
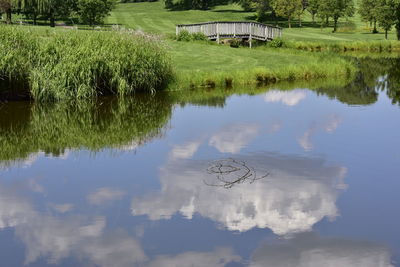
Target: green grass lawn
[[153, 17], [194, 57], [191, 58]]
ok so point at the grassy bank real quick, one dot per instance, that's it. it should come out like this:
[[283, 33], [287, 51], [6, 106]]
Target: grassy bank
[[208, 65], [75, 64]]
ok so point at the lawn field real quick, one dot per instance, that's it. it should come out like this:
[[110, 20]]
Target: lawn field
[[199, 61], [153, 17], [199, 56]]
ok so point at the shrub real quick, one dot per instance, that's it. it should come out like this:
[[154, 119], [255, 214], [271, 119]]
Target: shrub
[[184, 36], [276, 43], [199, 36], [187, 36], [235, 43]]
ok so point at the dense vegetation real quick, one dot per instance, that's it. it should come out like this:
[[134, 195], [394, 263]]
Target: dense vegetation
[[82, 64]]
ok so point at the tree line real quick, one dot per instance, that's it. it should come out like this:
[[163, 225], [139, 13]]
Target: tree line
[[385, 13], [88, 11]]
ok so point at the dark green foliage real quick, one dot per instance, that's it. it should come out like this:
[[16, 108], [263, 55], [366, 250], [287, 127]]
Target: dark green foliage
[[93, 12], [369, 11], [235, 43], [336, 9], [193, 4]]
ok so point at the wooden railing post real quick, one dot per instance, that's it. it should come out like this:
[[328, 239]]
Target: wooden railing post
[[217, 26], [250, 37]]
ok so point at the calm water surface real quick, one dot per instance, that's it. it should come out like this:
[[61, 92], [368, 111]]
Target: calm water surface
[[287, 176]]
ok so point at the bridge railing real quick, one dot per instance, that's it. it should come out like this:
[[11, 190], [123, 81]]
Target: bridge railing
[[233, 29]]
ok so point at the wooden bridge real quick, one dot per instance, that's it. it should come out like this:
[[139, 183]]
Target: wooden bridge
[[233, 29]]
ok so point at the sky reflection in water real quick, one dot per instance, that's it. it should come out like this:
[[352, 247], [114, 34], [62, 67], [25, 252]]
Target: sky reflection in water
[[143, 197]]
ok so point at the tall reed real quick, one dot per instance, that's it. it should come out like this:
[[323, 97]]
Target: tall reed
[[76, 65]]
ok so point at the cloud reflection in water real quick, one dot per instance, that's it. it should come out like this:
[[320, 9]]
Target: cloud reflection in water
[[297, 193]]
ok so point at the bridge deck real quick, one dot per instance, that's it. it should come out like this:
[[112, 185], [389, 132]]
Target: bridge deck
[[233, 29]]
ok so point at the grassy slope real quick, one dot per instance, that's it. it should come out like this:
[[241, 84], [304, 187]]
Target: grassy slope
[[194, 58], [153, 17]]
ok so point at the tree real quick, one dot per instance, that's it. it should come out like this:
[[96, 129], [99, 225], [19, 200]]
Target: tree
[[336, 9], [6, 7], [369, 11], [312, 7], [396, 7], [287, 8], [93, 12], [386, 15], [247, 5], [50, 9]]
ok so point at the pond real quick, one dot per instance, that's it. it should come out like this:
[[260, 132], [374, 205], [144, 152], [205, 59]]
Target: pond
[[300, 174]]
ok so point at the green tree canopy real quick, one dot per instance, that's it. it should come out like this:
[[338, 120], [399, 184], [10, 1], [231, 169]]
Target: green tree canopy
[[312, 7], [369, 11], [336, 9], [93, 12], [288, 8]]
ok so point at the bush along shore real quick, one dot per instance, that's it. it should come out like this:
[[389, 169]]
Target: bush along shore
[[74, 64]]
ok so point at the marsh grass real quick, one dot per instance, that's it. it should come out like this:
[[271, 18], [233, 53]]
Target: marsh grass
[[77, 65], [17, 53], [361, 46]]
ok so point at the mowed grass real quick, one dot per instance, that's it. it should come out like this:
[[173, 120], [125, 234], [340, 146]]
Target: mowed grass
[[211, 65], [194, 57], [153, 17]]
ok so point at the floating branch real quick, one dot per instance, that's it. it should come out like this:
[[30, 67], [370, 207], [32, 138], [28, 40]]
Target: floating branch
[[230, 172]]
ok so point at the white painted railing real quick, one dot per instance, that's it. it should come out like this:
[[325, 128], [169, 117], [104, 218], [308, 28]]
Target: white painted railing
[[223, 29]]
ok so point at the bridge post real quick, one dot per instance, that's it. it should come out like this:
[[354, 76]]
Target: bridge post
[[250, 37], [217, 32]]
